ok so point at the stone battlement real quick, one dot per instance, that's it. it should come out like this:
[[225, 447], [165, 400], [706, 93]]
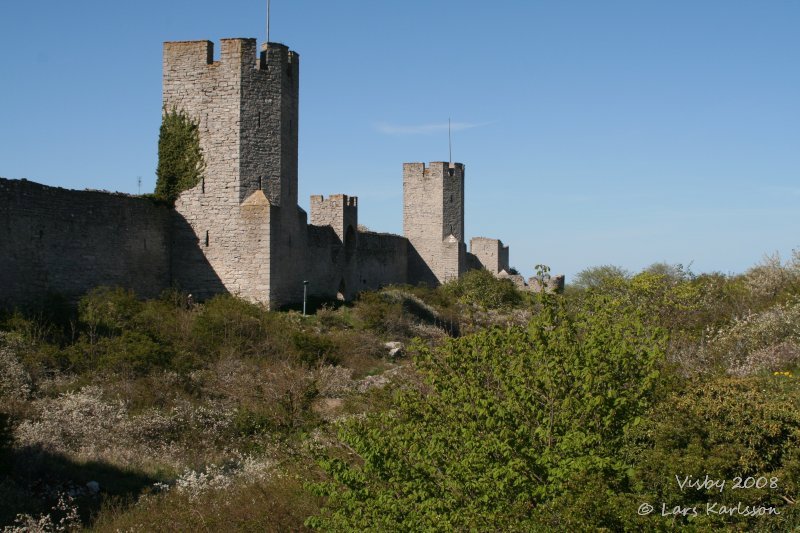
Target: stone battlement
[[435, 169], [338, 200], [236, 52]]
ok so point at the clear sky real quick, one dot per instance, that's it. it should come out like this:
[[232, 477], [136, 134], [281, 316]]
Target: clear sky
[[622, 132]]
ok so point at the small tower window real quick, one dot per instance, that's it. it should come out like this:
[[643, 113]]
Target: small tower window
[[206, 238], [203, 185]]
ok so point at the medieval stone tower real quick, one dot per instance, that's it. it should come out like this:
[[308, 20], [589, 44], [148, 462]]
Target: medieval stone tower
[[433, 220], [240, 230]]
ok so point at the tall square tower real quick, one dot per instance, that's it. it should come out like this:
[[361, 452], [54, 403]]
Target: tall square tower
[[433, 220], [239, 230]]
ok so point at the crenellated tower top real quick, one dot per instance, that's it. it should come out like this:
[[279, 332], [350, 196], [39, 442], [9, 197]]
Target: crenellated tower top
[[247, 106]]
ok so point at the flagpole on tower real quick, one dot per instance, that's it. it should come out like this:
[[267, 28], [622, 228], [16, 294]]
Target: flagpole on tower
[[449, 141], [268, 6]]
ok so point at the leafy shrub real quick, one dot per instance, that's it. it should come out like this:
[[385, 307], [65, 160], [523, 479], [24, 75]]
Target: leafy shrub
[[481, 288], [724, 427], [374, 311], [226, 324], [312, 348], [280, 400], [107, 311], [507, 420], [131, 353]]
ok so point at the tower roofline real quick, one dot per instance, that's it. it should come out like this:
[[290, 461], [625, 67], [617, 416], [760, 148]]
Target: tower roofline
[[435, 163]]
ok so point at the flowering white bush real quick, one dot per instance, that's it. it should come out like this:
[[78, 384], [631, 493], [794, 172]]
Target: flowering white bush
[[15, 382], [84, 424], [766, 279], [69, 521], [758, 341], [75, 421], [245, 470], [334, 381], [773, 358]]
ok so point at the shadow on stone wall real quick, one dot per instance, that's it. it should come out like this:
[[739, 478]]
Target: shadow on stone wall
[[418, 269], [190, 270]]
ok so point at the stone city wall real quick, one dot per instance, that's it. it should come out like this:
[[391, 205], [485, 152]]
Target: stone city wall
[[67, 242]]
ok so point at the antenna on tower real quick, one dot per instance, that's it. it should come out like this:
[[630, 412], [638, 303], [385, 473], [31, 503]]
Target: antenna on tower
[[449, 141], [268, 6]]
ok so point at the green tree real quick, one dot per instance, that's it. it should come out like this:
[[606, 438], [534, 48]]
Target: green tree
[[507, 420], [599, 276], [180, 158]]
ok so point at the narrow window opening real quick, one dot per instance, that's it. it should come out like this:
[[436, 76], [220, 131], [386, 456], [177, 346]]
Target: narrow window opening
[[206, 238], [259, 119], [450, 171], [203, 185], [261, 183]]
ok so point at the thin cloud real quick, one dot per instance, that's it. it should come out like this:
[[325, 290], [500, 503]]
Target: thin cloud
[[425, 129]]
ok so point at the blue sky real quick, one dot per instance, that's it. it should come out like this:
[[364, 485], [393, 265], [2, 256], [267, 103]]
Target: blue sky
[[622, 132]]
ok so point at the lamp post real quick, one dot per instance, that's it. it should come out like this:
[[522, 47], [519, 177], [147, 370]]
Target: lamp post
[[305, 296]]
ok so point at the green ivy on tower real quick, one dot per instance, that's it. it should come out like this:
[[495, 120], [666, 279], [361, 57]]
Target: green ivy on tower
[[180, 158]]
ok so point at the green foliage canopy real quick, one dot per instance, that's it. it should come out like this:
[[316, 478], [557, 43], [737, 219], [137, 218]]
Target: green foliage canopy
[[180, 158]]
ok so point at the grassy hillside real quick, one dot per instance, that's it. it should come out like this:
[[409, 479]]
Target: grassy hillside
[[472, 406]]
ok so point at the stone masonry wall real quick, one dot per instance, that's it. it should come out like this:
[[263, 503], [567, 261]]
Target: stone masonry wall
[[382, 259], [55, 240]]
